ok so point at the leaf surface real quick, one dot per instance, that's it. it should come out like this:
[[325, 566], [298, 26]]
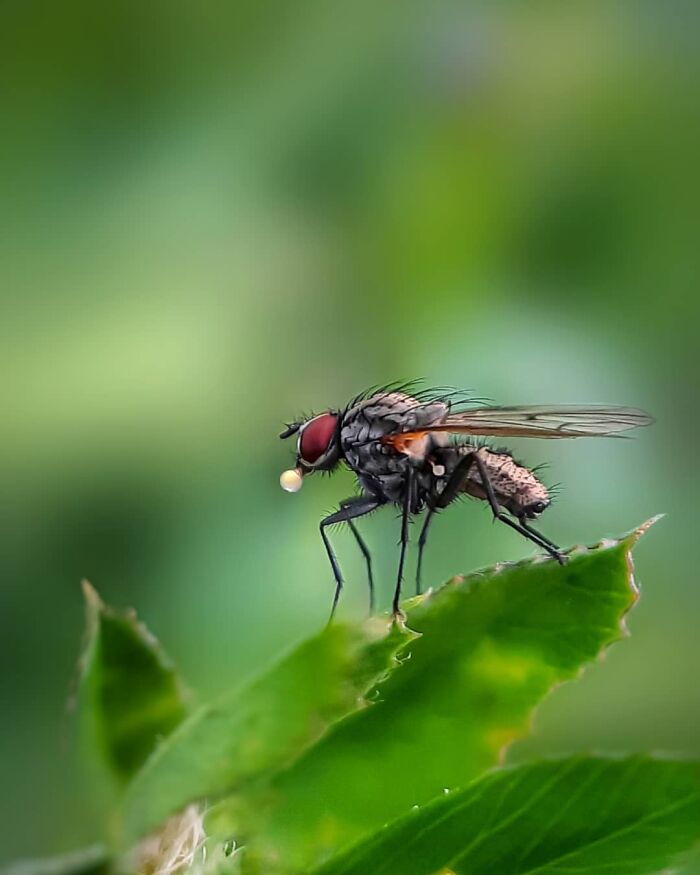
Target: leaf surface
[[257, 730], [92, 860], [490, 647], [130, 694], [582, 815]]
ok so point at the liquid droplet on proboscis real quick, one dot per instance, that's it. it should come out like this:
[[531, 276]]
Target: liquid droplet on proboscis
[[291, 480]]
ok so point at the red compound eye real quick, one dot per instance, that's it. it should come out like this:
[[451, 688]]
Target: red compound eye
[[316, 437]]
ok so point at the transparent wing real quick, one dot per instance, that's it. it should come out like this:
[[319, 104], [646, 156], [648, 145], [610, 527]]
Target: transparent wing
[[564, 421]]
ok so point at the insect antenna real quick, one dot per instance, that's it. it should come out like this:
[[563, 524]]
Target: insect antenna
[[292, 428]]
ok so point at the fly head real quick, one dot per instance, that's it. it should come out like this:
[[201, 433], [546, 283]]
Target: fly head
[[318, 447]]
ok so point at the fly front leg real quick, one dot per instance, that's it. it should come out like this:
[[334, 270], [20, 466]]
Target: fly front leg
[[520, 527], [368, 559], [351, 509]]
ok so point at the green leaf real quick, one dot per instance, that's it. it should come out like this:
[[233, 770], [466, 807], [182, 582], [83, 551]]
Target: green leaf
[[258, 730], [87, 861], [582, 815], [130, 694], [491, 646]]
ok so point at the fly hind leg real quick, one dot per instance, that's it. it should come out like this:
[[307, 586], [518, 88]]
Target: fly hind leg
[[521, 527], [526, 525]]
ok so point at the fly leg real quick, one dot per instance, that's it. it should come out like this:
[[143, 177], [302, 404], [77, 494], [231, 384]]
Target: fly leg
[[421, 546], [368, 559], [526, 532], [448, 494], [405, 519], [350, 509], [524, 523]]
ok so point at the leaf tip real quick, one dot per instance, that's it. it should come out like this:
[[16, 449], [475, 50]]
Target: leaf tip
[[637, 533], [94, 609], [90, 594], [629, 542]]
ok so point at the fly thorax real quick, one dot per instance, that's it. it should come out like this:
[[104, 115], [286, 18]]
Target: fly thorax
[[389, 413]]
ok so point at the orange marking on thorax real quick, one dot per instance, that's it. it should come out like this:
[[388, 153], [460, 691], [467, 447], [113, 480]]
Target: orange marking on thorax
[[402, 442]]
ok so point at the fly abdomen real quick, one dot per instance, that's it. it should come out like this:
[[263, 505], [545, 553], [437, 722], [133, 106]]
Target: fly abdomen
[[515, 486]]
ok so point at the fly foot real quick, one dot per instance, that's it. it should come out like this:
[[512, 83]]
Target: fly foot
[[398, 619]]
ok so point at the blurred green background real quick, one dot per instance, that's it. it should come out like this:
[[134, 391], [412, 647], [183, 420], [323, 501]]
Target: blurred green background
[[217, 215]]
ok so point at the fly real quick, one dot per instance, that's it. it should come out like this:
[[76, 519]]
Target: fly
[[421, 451]]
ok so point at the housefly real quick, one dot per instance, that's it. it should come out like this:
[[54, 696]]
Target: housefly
[[421, 450]]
